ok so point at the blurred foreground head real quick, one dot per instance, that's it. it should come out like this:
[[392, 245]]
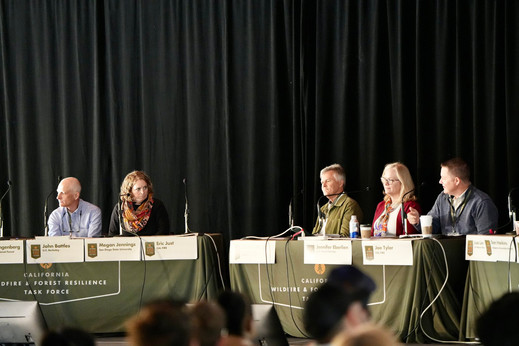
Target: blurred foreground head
[[499, 325], [160, 323]]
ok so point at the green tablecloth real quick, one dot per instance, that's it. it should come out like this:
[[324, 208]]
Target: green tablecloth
[[486, 282], [401, 296], [99, 296]]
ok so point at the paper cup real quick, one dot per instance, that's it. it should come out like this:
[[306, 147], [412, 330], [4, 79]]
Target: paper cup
[[365, 231], [426, 224]]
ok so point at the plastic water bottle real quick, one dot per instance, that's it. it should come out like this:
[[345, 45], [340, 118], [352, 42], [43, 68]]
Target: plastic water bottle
[[354, 227]]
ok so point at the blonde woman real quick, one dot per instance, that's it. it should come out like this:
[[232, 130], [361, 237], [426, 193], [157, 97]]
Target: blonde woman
[[397, 182]]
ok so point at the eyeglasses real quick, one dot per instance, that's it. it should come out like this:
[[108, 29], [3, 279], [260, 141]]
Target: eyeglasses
[[389, 181]]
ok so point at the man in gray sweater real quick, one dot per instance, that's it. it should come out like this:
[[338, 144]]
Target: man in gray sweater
[[461, 208]]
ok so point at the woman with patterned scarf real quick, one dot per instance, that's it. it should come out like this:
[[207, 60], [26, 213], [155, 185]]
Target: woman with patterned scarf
[[397, 182], [138, 212]]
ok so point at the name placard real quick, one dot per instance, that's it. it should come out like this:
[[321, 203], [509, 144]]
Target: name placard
[[112, 249], [489, 248], [327, 251], [11, 251], [388, 252], [252, 251], [171, 247], [54, 250]]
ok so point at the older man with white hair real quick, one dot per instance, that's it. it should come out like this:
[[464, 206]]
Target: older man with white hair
[[340, 206], [74, 217]]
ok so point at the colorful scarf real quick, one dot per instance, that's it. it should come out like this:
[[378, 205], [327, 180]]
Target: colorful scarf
[[136, 219], [385, 217]]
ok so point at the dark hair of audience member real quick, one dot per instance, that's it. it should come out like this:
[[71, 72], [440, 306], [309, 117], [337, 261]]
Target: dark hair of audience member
[[160, 323], [499, 325], [208, 321], [237, 312], [325, 310], [68, 337], [354, 281]]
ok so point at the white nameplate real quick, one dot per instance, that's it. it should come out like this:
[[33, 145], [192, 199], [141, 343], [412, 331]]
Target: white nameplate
[[54, 250], [252, 251], [388, 252], [11, 251], [112, 249], [489, 248], [172, 247], [327, 252]]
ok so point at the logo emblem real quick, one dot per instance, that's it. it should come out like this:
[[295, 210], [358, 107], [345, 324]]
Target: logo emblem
[[320, 269], [470, 247], [45, 265], [370, 255], [150, 248], [489, 247], [92, 250], [35, 251]]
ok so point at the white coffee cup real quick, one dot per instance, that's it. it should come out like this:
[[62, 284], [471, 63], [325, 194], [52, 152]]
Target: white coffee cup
[[365, 231], [426, 224]]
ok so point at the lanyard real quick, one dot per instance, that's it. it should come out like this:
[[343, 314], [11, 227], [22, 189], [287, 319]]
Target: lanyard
[[454, 216], [70, 221]]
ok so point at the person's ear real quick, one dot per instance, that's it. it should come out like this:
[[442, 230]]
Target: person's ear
[[457, 181]]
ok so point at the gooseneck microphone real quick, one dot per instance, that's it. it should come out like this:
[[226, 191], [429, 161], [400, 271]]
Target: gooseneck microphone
[[186, 210], [45, 217], [9, 184], [511, 207], [403, 213], [291, 210]]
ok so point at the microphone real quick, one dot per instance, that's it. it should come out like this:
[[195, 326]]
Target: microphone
[[45, 225], [186, 211], [402, 211], [9, 184], [291, 211], [511, 207]]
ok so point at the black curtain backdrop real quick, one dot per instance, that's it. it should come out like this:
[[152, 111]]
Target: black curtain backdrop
[[247, 100]]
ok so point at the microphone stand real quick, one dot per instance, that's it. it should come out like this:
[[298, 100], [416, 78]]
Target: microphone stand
[[290, 215], [186, 210], [403, 213], [121, 210], [9, 184], [45, 223], [120, 216], [511, 210]]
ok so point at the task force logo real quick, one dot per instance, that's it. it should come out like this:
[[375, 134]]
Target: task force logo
[[150, 248], [370, 255], [35, 251], [470, 248], [92, 250]]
